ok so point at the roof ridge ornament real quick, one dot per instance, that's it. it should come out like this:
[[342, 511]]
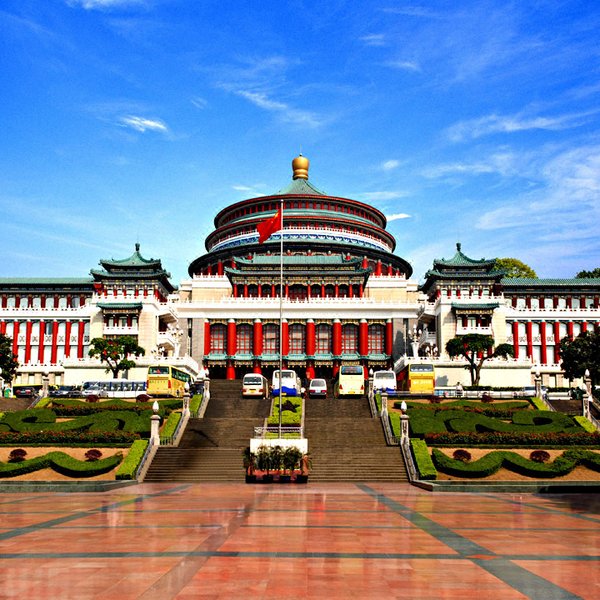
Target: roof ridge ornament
[[458, 246], [300, 166]]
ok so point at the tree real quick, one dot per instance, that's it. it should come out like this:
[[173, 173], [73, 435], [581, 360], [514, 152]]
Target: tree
[[116, 352], [515, 268], [595, 274], [8, 362], [475, 348], [580, 354]]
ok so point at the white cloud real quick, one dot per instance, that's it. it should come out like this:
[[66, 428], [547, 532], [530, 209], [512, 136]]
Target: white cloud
[[374, 39], [405, 65], [142, 124], [199, 102], [397, 216], [475, 128], [104, 4], [390, 165]]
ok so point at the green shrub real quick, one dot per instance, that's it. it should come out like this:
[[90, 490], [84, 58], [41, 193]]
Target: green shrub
[[132, 461], [195, 403], [61, 463], [512, 439], [171, 424], [462, 455], [67, 438], [538, 403], [493, 461], [585, 424], [423, 462], [44, 402]]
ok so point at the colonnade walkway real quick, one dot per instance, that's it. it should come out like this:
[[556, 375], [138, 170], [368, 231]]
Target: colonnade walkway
[[334, 540]]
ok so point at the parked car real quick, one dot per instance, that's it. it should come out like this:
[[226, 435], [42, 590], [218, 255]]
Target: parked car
[[94, 390], [317, 388], [529, 391], [65, 391], [255, 384], [26, 391]]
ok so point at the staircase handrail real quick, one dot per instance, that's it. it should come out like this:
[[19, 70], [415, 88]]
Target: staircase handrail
[[390, 438], [371, 398], [199, 414], [261, 432], [411, 469]]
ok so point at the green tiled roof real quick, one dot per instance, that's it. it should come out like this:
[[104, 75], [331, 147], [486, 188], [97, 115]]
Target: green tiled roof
[[46, 281], [135, 260], [300, 187], [475, 305], [462, 260], [120, 305], [530, 281]]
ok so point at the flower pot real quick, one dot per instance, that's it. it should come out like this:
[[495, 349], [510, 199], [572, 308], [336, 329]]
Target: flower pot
[[267, 478], [301, 479], [285, 478], [250, 478]]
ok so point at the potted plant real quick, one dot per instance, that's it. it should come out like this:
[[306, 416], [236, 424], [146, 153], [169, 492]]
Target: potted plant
[[291, 461], [276, 459], [263, 463], [249, 464], [305, 465]]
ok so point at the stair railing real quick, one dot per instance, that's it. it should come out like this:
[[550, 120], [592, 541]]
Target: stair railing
[[411, 469], [140, 472]]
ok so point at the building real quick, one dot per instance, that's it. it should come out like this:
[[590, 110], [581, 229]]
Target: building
[[337, 294]]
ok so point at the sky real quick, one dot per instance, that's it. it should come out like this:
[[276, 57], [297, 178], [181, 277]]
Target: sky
[[125, 121]]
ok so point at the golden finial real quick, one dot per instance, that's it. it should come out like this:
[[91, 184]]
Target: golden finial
[[300, 166]]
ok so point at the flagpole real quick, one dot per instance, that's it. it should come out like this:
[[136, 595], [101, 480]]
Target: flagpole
[[280, 310]]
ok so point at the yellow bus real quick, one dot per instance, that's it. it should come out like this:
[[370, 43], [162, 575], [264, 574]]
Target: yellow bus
[[164, 380], [417, 378], [349, 381]]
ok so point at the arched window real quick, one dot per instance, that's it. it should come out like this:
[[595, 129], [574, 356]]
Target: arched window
[[343, 291], [323, 335], [271, 338], [218, 338], [244, 338], [297, 338], [329, 291], [376, 338], [349, 338], [315, 291]]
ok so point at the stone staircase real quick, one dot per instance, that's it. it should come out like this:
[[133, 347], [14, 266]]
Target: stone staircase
[[346, 444], [211, 447]]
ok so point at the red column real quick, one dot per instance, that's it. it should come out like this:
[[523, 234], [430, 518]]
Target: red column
[[555, 302], [351, 290], [336, 293], [337, 337], [582, 302], [569, 302], [16, 338], [322, 290], [365, 263], [584, 326], [361, 291], [528, 302], [41, 346], [311, 344], [206, 337], [541, 302], [272, 290], [544, 348], [363, 337], [515, 329], [235, 290], [17, 301], [258, 338], [220, 268], [285, 335], [2, 327], [287, 291], [245, 290], [556, 342], [308, 294], [570, 330], [529, 330], [231, 337], [80, 336], [259, 290], [68, 339], [389, 337], [28, 327], [378, 268], [54, 351]]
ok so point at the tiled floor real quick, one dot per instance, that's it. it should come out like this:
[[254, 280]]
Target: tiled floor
[[327, 541]]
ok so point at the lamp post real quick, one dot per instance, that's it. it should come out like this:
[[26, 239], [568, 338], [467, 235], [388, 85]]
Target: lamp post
[[154, 425], [537, 377], [45, 384], [186, 399], [588, 394], [403, 423]]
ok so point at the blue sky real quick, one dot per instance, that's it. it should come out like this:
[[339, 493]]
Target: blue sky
[[137, 120]]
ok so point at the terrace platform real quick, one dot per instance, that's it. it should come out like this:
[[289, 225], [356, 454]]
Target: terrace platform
[[363, 540]]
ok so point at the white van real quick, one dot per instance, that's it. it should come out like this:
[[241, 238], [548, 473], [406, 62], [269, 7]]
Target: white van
[[384, 381], [290, 383], [255, 384]]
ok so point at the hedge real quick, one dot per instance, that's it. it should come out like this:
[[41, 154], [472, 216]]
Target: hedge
[[61, 463], [512, 439], [171, 424], [44, 419], [67, 438], [423, 421], [493, 461], [585, 424], [132, 461], [425, 467], [538, 403], [288, 416], [195, 403]]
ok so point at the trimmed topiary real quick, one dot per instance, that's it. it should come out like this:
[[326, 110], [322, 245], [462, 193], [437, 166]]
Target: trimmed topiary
[[462, 455], [17, 455], [539, 456], [93, 454]]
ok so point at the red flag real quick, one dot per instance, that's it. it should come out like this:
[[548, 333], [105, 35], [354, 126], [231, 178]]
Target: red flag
[[268, 227]]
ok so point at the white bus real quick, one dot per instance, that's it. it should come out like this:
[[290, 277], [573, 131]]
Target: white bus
[[114, 388], [290, 383]]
